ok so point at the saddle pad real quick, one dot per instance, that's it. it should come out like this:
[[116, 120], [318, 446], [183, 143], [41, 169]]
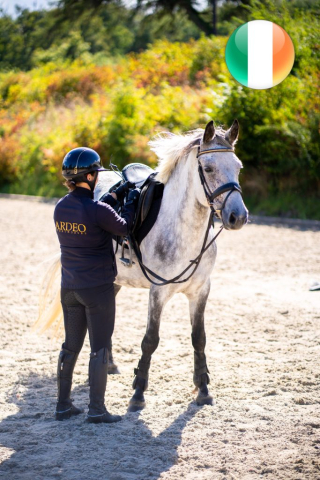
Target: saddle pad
[[136, 173]]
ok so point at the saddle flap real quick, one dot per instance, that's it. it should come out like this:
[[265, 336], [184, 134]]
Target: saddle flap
[[147, 200], [136, 173], [149, 203]]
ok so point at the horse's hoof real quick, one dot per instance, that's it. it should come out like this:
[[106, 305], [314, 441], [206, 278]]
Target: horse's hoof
[[136, 405], [113, 369], [204, 399]]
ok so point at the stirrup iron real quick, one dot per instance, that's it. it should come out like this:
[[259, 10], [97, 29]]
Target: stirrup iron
[[127, 262]]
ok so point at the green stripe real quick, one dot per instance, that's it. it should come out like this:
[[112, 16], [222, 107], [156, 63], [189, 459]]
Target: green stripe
[[237, 54]]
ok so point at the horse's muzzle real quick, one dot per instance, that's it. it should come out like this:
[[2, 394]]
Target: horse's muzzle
[[235, 219]]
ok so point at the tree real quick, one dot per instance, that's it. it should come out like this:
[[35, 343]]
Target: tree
[[71, 7], [188, 6]]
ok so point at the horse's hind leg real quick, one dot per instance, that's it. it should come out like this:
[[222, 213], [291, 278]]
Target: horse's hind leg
[[157, 300], [197, 305], [112, 367]]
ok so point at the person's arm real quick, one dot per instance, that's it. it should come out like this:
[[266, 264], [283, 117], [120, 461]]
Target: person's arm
[[110, 221], [110, 199], [116, 198]]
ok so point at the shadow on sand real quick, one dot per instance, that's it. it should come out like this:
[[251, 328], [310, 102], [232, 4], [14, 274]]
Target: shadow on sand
[[42, 448]]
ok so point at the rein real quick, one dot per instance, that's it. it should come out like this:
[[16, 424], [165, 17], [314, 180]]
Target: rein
[[228, 187], [195, 262]]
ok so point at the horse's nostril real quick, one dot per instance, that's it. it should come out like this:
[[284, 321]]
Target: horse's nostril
[[232, 219]]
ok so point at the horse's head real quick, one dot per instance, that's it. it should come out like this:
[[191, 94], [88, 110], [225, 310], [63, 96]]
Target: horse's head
[[219, 169]]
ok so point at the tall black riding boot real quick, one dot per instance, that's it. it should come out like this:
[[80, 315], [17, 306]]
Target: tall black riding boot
[[98, 372], [66, 363]]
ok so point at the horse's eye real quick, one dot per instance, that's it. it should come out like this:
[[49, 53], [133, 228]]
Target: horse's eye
[[208, 169]]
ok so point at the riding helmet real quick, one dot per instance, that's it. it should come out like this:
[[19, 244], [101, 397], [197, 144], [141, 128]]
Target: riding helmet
[[80, 161]]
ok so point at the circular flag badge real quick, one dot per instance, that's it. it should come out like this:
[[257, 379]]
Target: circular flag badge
[[259, 54]]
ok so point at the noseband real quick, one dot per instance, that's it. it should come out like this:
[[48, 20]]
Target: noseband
[[227, 187]]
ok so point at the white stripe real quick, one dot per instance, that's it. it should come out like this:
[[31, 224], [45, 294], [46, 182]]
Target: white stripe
[[260, 52]]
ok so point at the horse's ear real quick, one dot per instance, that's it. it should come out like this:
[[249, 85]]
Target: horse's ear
[[232, 134], [209, 132]]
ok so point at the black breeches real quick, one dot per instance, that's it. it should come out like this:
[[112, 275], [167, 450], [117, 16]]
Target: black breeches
[[92, 309]]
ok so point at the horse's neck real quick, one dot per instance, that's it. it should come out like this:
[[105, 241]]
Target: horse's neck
[[183, 212]]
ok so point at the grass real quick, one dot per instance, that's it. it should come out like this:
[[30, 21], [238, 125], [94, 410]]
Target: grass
[[286, 205], [29, 188]]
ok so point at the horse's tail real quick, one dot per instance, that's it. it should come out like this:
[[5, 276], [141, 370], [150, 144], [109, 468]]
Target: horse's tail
[[50, 311]]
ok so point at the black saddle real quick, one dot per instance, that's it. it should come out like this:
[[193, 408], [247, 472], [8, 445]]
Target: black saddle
[[137, 173], [147, 210], [150, 198]]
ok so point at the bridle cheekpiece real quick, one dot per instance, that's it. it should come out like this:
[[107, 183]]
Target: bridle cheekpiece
[[227, 187]]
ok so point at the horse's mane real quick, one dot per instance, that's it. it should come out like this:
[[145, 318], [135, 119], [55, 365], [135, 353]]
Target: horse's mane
[[171, 148]]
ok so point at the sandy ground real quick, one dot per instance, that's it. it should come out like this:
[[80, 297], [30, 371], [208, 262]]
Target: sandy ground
[[263, 346]]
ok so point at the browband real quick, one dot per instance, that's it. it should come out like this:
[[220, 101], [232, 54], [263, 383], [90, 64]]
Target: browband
[[217, 150]]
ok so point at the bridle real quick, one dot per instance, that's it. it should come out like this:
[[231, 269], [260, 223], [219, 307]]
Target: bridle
[[227, 187], [211, 196]]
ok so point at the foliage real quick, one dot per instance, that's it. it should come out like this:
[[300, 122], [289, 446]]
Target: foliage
[[189, 7], [72, 8], [116, 106], [83, 32]]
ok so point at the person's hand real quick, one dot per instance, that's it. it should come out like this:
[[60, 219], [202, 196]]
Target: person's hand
[[133, 196], [123, 190]]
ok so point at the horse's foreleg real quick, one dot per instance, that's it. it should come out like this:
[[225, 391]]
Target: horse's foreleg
[[157, 300], [112, 367], [197, 305]]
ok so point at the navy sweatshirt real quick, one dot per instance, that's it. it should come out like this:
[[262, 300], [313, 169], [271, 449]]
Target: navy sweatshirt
[[85, 228]]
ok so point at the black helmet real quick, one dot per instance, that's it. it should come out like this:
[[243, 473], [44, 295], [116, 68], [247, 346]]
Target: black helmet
[[80, 161]]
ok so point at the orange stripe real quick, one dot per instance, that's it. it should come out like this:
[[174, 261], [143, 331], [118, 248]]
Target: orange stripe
[[283, 54]]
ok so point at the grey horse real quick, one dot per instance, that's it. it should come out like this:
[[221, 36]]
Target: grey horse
[[190, 166]]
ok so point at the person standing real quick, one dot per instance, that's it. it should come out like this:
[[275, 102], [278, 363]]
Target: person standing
[[88, 270]]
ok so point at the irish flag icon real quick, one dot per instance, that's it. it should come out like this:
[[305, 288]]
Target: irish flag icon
[[259, 54]]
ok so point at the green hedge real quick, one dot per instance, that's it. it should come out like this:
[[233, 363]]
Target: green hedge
[[117, 107]]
